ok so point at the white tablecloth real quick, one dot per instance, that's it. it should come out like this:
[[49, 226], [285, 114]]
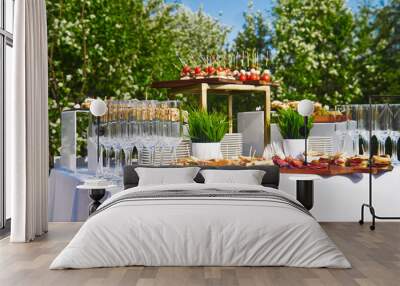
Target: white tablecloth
[[66, 202], [339, 198]]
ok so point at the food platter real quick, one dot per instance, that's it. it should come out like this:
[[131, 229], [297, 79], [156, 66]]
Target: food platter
[[209, 80], [335, 170], [329, 118]]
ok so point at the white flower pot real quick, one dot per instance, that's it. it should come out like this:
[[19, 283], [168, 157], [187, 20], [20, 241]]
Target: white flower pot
[[207, 151], [293, 147]]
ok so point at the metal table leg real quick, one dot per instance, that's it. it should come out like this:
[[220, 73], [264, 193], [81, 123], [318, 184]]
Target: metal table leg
[[96, 195]]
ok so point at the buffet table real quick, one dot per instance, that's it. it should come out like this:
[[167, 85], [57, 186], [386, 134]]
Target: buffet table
[[65, 201], [336, 198], [226, 87], [339, 198]]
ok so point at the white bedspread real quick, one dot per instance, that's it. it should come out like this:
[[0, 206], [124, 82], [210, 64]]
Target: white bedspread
[[200, 231]]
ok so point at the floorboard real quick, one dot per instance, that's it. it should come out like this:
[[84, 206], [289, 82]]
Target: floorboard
[[375, 257]]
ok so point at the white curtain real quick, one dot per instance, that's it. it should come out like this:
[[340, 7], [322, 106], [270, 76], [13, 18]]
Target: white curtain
[[27, 123]]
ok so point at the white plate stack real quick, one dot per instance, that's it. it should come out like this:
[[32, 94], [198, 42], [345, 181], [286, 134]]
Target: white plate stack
[[232, 145], [320, 144], [182, 151]]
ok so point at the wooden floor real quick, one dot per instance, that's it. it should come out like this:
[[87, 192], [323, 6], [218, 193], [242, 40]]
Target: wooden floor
[[375, 257]]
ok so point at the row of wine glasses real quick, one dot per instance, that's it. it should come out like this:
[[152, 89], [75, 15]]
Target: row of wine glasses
[[385, 124], [148, 126]]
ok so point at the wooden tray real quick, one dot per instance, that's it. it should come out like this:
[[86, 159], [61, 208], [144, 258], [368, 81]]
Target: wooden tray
[[375, 170], [187, 82], [329, 118], [335, 170], [179, 83], [259, 82]]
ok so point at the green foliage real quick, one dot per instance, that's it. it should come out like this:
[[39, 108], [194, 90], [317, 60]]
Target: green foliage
[[315, 54], [116, 49], [291, 124], [207, 127], [378, 49], [255, 35], [197, 34]]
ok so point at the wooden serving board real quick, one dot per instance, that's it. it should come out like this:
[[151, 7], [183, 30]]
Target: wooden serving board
[[188, 82], [375, 170], [259, 82], [329, 118], [334, 170], [179, 83]]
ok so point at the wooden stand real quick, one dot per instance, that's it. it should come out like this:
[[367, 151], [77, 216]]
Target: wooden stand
[[202, 87]]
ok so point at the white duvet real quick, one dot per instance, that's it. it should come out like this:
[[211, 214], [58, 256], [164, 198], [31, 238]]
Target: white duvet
[[200, 231]]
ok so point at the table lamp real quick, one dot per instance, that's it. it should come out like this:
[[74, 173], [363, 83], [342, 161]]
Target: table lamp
[[98, 108], [305, 109]]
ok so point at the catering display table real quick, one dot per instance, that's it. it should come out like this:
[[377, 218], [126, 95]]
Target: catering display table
[[339, 197], [336, 198], [65, 201], [218, 86]]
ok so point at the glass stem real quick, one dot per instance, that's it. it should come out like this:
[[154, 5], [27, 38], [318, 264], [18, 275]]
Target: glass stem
[[99, 169], [394, 150], [128, 155], [117, 162], [366, 146], [108, 159]]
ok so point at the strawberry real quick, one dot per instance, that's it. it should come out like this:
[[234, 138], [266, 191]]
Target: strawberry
[[210, 70], [197, 70], [265, 77], [186, 70]]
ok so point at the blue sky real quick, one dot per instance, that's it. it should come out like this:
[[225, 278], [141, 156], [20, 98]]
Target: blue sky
[[230, 11]]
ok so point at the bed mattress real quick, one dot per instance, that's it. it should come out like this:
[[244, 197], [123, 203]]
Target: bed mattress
[[201, 225]]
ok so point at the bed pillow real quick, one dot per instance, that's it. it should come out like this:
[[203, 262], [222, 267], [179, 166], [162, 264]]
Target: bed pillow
[[166, 176], [248, 177]]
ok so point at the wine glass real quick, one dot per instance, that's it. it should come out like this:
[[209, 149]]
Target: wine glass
[[363, 125], [125, 139], [340, 127], [106, 145], [382, 124], [174, 126], [352, 128], [148, 138], [395, 133], [116, 126]]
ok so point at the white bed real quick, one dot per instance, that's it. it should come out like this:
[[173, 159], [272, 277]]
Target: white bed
[[185, 230]]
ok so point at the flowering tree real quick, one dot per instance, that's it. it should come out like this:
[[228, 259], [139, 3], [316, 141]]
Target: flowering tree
[[197, 35], [256, 33], [315, 50], [378, 49], [116, 49]]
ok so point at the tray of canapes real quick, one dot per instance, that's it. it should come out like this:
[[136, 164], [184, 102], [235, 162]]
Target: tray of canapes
[[321, 113], [188, 82], [338, 164], [217, 74], [239, 161]]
